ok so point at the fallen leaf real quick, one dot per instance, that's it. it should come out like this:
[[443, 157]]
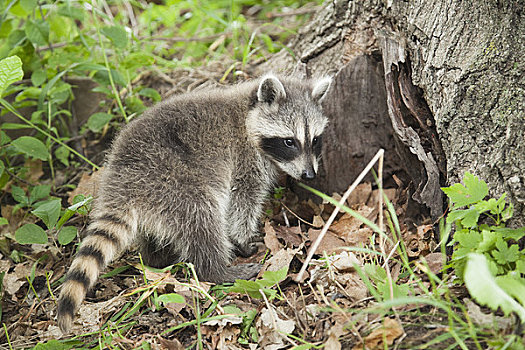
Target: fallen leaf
[[281, 259], [290, 235], [345, 261], [35, 171], [486, 320], [333, 337], [434, 262], [271, 329], [360, 195], [270, 238], [389, 330], [330, 242]]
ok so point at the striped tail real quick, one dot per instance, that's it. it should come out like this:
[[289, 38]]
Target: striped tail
[[106, 237]]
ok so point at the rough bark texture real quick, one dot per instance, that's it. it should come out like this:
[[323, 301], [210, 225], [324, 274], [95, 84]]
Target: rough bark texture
[[454, 87]]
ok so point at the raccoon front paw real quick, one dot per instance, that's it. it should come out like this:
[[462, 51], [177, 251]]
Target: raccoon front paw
[[246, 250]]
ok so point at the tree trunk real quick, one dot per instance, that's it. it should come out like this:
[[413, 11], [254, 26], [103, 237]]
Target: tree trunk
[[439, 84]]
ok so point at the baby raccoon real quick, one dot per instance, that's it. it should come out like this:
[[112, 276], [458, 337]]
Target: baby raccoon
[[188, 179]]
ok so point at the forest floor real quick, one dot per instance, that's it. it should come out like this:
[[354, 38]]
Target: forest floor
[[360, 290], [331, 305]]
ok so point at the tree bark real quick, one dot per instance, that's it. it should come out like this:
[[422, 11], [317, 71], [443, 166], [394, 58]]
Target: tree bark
[[439, 84]]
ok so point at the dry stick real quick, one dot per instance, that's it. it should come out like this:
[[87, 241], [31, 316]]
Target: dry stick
[[381, 226], [350, 189]]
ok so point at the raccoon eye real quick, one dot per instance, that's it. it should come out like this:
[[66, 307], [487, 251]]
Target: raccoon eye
[[289, 142], [314, 141]]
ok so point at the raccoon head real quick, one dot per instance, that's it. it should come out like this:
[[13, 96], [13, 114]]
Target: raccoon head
[[287, 122]]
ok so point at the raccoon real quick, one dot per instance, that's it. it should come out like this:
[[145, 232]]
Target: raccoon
[[187, 180]]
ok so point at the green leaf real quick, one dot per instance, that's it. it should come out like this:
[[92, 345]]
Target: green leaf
[[67, 234], [49, 212], [3, 221], [71, 11], [19, 195], [151, 93], [473, 191], [505, 254], [10, 71], [117, 34], [28, 5], [468, 217], [2, 167], [97, 121], [468, 238], [31, 234], [38, 77], [483, 287], [514, 286], [62, 154], [32, 147], [37, 32], [171, 298], [39, 192], [275, 277], [488, 241]]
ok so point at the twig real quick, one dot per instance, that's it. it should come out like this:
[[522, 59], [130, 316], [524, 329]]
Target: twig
[[298, 217], [379, 154]]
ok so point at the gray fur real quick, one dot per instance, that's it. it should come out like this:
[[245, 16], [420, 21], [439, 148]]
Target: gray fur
[[188, 179]]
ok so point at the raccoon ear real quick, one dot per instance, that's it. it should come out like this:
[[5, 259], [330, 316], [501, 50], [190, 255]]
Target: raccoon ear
[[270, 89], [321, 88]]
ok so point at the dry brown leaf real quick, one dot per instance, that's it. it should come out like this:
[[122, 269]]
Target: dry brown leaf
[[90, 314], [333, 337], [486, 320], [360, 195], [354, 286], [35, 171], [271, 338], [345, 261], [330, 242], [373, 201], [281, 259], [270, 238], [88, 185], [390, 329], [290, 235], [434, 262], [170, 344]]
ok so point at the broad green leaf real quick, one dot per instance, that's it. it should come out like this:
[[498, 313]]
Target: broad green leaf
[[19, 194], [469, 217], [136, 60], [3, 137], [32, 147], [97, 121], [31, 234], [171, 298], [62, 154], [70, 11], [3, 221], [274, 277], [28, 5], [513, 285], [49, 212], [505, 254], [38, 77], [37, 32], [399, 291], [151, 93], [67, 234], [488, 241], [482, 286], [2, 167], [39, 192], [468, 238], [473, 191], [117, 34], [10, 71]]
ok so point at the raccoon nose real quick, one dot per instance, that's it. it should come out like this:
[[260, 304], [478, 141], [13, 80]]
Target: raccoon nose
[[308, 174]]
